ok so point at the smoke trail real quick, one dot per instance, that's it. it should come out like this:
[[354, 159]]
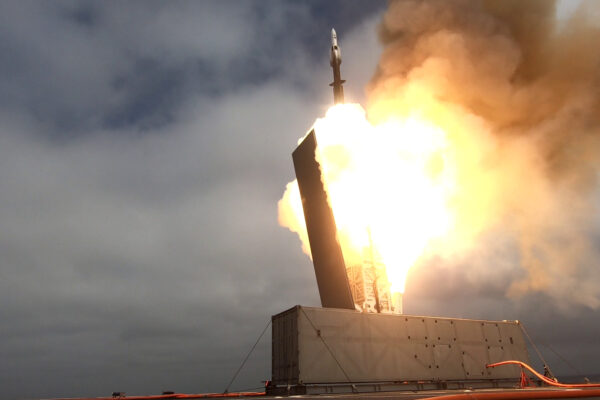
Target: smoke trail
[[521, 90]]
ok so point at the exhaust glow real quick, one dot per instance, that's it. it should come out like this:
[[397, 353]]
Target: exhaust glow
[[388, 186]]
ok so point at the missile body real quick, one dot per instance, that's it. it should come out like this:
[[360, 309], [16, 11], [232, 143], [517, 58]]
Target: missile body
[[335, 60]]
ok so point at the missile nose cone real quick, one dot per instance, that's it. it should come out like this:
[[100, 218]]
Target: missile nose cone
[[333, 36]]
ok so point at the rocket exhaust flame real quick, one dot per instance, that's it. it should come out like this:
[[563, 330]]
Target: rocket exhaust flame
[[482, 120], [386, 189]]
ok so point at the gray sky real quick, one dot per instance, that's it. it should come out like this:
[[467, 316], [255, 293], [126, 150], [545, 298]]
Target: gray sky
[[143, 148]]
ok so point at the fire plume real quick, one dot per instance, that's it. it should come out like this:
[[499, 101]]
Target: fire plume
[[389, 187], [480, 151]]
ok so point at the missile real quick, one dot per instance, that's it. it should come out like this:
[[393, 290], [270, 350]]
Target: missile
[[335, 60]]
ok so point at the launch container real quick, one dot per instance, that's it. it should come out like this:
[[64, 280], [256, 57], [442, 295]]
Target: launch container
[[320, 346], [325, 249]]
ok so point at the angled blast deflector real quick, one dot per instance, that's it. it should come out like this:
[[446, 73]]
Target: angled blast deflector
[[328, 260]]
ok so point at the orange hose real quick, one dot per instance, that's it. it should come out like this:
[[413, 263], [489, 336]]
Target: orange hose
[[542, 377]]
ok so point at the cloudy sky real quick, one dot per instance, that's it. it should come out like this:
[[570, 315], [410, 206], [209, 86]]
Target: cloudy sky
[[143, 149]]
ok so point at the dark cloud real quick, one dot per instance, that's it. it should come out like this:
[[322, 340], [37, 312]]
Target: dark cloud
[[134, 64]]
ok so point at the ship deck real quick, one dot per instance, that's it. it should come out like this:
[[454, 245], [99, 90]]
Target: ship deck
[[478, 394], [455, 394]]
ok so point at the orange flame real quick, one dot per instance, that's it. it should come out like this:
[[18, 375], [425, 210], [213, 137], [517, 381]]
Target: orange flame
[[387, 185]]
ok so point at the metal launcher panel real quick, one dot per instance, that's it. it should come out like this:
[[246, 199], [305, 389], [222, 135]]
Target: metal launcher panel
[[316, 346], [341, 284], [369, 284], [328, 260]]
